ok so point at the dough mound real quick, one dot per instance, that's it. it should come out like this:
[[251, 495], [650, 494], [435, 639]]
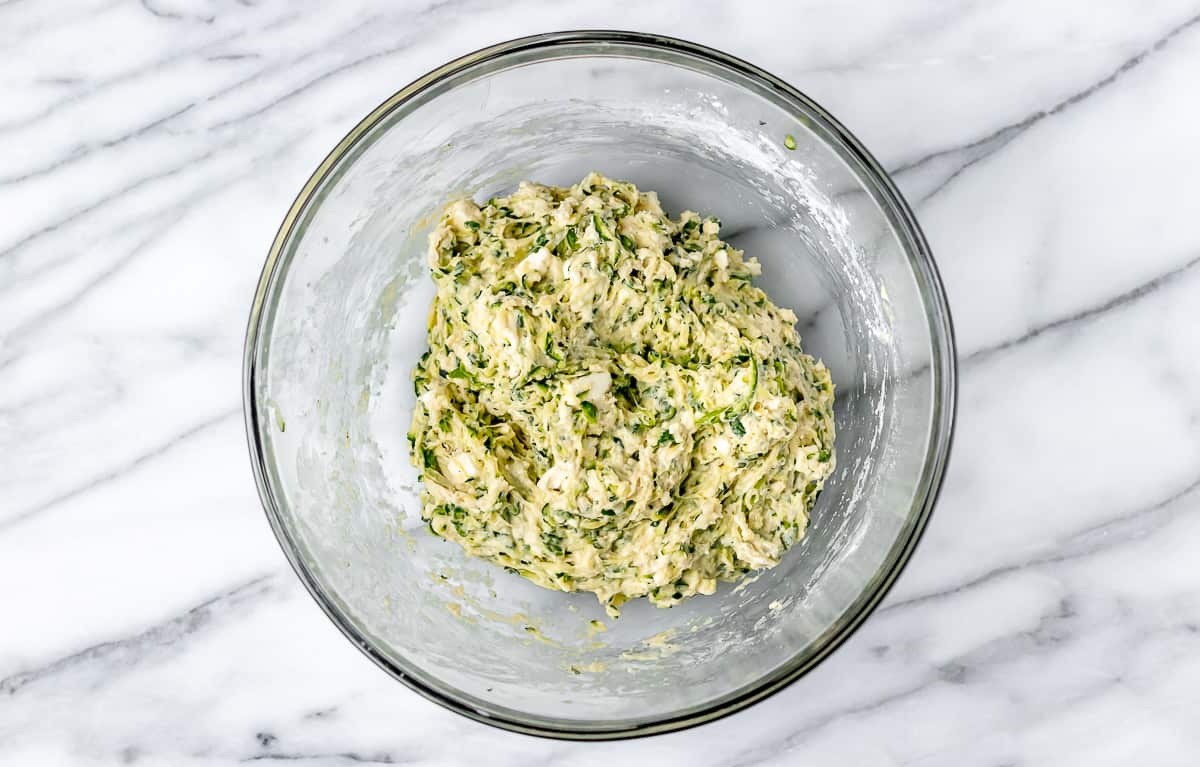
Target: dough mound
[[608, 403]]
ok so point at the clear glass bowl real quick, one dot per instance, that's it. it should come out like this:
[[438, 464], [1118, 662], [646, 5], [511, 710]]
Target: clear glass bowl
[[339, 320]]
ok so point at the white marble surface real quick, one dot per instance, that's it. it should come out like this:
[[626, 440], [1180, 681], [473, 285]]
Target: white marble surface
[[147, 153]]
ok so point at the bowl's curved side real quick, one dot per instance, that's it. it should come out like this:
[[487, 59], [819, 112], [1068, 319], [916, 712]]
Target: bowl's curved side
[[942, 368]]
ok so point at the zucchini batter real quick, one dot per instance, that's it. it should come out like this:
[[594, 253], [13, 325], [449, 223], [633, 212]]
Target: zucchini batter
[[608, 404]]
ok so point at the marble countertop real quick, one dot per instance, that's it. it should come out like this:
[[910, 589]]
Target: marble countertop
[[149, 149]]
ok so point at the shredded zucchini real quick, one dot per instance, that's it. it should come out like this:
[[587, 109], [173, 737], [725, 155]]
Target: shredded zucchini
[[608, 403]]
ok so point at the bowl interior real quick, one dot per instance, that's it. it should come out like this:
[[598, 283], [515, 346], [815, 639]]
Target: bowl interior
[[342, 322]]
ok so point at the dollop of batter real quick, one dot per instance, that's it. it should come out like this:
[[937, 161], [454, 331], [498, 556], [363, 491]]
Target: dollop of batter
[[608, 403]]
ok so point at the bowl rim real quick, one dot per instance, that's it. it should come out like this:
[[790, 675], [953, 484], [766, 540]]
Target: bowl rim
[[943, 367]]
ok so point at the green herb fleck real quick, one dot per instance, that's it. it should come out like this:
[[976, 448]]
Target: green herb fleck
[[711, 416], [789, 141], [589, 411], [472, 224], [823, 456], [628, 243], [429, 459], [736, 425], [553, 543], [600, 228], [549, 346]]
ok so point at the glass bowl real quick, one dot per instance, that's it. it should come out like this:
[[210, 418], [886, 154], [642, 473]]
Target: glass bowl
[[338, 322]]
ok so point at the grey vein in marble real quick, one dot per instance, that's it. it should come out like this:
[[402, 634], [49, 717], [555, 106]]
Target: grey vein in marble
[[131, 650], [982, 148], [117, 472], [1116, 302]]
